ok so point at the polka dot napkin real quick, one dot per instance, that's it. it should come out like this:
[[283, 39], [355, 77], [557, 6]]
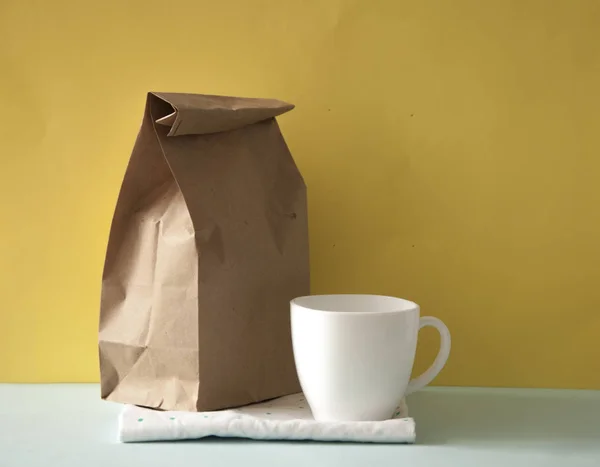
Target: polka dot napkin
[[286, 418]]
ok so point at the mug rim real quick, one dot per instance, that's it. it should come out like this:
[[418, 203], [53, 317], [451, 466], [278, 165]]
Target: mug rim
[[407, 305]]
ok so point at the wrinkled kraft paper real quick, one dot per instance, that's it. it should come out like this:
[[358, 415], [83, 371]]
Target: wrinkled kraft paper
[[208, 244]]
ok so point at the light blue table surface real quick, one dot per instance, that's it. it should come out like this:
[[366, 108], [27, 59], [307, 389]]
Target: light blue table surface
[[68, 425]]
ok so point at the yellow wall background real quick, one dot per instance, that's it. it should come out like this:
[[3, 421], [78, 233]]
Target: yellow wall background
[[451, 150]]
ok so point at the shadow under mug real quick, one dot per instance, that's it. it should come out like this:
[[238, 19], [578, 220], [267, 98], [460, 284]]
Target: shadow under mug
[[354, 354]]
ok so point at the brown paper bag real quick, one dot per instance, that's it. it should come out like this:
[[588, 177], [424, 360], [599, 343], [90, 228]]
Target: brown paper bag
[[208, 244]]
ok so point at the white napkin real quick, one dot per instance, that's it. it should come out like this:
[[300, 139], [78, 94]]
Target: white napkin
[[286, 418]]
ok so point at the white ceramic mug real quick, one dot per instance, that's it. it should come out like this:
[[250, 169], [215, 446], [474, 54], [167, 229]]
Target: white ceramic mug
[[354, 354]]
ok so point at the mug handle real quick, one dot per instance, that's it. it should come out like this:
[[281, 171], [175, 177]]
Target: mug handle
[[423, 380]]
